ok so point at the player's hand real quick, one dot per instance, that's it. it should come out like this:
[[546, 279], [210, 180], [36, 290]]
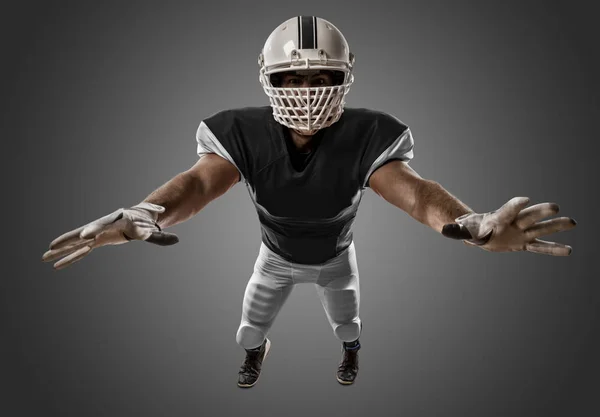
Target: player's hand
[[513, 228], [121, 226]]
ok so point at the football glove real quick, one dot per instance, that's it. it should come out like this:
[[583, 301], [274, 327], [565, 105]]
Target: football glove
[[121, 226], [513, 228]]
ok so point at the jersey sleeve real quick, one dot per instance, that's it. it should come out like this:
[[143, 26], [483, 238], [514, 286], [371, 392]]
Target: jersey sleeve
[[390, 140], [217, 134]]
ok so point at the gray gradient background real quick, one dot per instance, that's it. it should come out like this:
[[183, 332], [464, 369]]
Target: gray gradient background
[[100, 105]]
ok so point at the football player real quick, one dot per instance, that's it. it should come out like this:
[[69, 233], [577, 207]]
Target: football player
[[306, 160]]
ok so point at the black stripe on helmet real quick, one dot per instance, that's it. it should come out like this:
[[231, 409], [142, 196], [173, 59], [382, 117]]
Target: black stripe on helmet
[[315, 31], [299, 33], [307, 32]]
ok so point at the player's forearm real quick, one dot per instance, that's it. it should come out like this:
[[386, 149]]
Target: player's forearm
[[182, 197], [424, 200], [189, 192], [434, 206]]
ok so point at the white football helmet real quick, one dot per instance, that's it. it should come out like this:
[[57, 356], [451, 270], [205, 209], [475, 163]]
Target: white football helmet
[[306, 43]]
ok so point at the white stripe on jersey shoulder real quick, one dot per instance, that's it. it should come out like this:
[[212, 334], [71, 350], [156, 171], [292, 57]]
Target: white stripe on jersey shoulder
[[208, 143], [401, 149]]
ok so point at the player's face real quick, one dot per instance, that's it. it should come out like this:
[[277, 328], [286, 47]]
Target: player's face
[[304, 79]]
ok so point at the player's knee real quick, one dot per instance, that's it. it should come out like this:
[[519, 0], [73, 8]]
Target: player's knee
[[249, 336], [347, 332]]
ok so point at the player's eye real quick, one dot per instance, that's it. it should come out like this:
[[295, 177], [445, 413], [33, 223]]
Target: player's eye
[[320, 81], [293, 81]]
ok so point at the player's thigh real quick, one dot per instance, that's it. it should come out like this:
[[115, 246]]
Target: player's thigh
[[265, 294], [341, 297]]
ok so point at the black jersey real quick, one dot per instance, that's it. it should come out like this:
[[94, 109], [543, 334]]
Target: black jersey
[[306, 203]]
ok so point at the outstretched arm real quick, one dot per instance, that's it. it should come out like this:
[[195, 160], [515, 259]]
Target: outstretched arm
[[174, 202], [512, 227], [424, 200]]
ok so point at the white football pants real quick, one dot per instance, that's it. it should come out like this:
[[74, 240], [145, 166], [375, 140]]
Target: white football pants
[[272, 282]]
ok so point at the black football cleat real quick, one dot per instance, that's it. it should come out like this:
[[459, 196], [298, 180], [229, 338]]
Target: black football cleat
[[250, 370], [348, 368]]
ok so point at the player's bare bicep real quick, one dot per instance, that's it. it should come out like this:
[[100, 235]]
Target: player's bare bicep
[[215, 174]]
